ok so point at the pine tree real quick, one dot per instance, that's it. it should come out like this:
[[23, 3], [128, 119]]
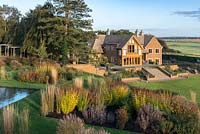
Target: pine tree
[[76, 15]]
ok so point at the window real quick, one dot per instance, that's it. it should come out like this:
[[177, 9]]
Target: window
[[131, 48], [124, 61], [150, 51], [120, 52], [157, 51]]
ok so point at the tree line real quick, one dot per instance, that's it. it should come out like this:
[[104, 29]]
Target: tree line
[[59, 29]]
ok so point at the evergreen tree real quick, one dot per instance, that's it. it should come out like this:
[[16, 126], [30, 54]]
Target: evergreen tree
[[76, 15], [47, 27]]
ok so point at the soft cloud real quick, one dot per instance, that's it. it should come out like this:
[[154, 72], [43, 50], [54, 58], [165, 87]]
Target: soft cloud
[[195, 14]]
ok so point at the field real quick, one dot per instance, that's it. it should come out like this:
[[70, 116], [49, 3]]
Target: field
[[187, 48], [182, 87]]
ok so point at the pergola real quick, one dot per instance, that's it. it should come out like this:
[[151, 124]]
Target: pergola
[[9, 50]]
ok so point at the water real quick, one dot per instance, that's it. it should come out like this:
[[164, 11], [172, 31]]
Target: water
[[10, 95]]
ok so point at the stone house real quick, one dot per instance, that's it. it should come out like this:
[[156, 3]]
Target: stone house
[[129, 50]]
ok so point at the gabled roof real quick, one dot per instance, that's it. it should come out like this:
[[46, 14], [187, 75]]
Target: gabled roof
[[120, 40], [144, 39], [96, 44]]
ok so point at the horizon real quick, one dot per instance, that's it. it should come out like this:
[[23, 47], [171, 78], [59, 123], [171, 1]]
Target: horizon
[[160, 18]]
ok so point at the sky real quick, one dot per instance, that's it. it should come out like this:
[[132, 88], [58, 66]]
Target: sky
[[158, 17]]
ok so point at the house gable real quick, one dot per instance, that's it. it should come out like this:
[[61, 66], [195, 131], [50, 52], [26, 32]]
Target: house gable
[[154, 50], [132, 41], [154, 43]]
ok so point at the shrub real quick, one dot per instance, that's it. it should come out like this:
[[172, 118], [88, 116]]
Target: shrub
[[58, 98], [148, 116], [108, 97], [121, 118], [166, 127], [184, 123], [2, 73], [15, 121], [8, 119], [27, 76], [69, 101], [42, 74], [119, 94], [74, 125], [14, 64], [70, 125], [2, 63], [95, 83], [160, 99], [68, 73], [181, 105], [83, 100], [139, 99], [54, 76], [95, 115], [47, 100], [78, 83], [22, 121]]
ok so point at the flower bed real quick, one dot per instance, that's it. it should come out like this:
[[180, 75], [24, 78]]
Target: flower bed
[[114, 104]]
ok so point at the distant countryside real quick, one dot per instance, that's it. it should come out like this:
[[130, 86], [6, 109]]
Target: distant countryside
[[187, 48]]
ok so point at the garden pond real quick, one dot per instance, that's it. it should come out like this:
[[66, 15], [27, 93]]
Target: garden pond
[[11, 95]]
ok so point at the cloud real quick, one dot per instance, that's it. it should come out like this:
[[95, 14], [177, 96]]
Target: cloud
[[194, 14]]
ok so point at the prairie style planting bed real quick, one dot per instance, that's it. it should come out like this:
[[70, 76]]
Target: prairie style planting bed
[[37, 123]]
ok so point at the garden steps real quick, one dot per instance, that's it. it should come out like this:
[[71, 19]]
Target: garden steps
[[88, 68], [157, 73]]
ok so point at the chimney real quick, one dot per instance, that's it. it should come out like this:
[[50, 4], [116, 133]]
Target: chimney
[[136, 33], [141, 33], [108, 32]]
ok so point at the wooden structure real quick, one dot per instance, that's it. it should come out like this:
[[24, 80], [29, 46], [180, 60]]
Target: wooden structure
[[129, 50], [7, 50]]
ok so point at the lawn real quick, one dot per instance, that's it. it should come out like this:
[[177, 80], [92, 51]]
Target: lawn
[[185, 48], [16, 84], [182, 87], [38, 123]]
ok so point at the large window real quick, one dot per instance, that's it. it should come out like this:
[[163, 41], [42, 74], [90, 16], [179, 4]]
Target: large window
[[131, 48]]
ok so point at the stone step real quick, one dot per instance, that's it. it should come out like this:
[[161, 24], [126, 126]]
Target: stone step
[[157, 73]]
